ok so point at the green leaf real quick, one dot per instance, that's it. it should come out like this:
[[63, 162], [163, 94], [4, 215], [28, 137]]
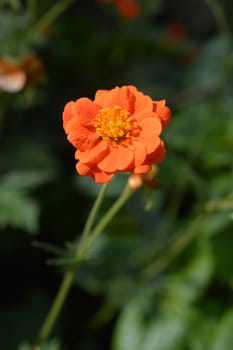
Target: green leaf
[[163, 323], [176, 313], [223, 335], [129, 330], [26, 179], [165, 334], [18, 210], [216, 223], [201, 332]]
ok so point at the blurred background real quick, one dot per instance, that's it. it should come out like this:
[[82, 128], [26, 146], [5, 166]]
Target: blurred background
[[161, 276]]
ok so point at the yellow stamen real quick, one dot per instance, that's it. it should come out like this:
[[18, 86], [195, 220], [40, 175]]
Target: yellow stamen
[[114, 124]]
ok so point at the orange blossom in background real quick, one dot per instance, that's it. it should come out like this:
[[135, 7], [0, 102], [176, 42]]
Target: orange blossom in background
[[127, 8]]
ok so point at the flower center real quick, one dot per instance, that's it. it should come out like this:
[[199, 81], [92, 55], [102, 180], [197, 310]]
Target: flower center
[[114, 124]]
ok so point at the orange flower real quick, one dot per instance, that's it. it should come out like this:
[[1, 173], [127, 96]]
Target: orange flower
[[117, 132], [14, 76], [127, 8]]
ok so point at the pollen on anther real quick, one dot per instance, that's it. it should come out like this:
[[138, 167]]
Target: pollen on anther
[[113, 124]]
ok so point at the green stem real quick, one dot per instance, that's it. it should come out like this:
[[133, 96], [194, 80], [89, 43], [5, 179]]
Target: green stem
[[31, 6], [69, 276], [50, 16], [86, 241], [57, 304], [126, 194], [92, 214]]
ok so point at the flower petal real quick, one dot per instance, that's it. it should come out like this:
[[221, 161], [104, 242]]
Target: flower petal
[[67, 113], [80, 136], [85, 110], [151, 143], [93, 155], [158, 155], [102, 177], [144, 114], [142, 102], [100, 97], [150, 127], [119, 96], [164, 113], [139, 153], [119, 158], [141, 146], [83, 169], [98, 175], [142, 169]]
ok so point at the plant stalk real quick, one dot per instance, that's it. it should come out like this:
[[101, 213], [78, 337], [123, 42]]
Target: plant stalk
[[88, 237]]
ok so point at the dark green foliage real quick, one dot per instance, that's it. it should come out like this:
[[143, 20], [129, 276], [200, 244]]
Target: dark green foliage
[[155, 280]]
